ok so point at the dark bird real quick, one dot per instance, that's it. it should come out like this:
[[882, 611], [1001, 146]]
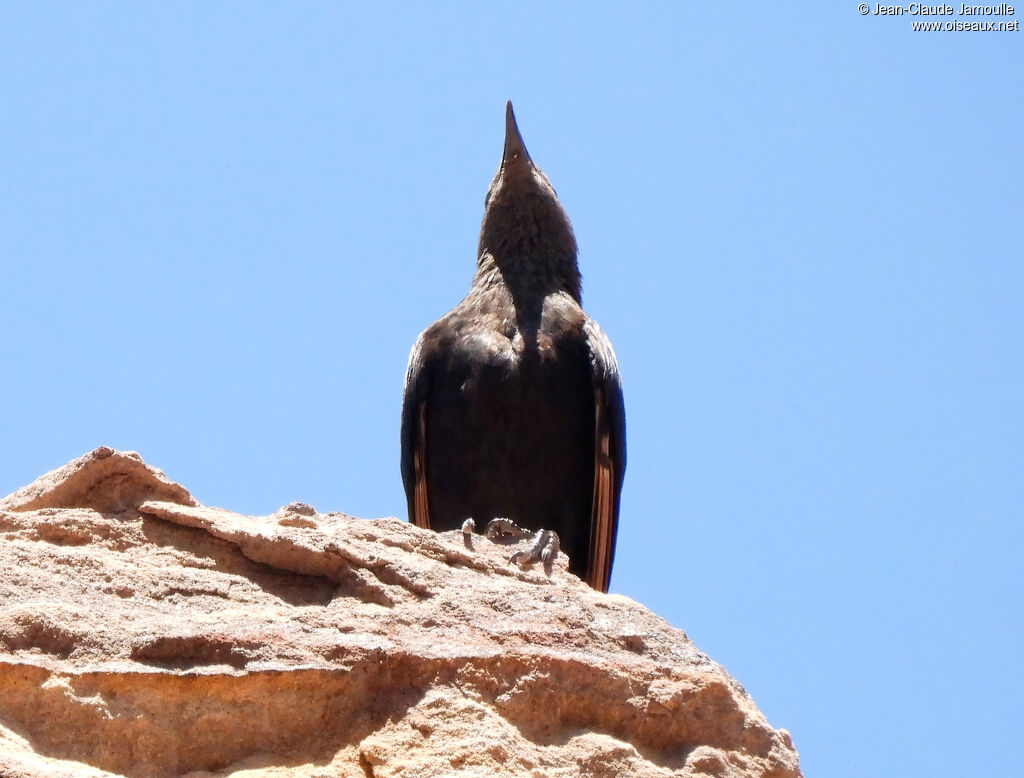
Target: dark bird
[[513, 402]]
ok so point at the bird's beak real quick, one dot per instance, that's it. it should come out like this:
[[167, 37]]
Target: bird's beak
[[515, 149]]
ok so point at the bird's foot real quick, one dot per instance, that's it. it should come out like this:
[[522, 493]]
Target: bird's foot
[[467, 532], [545, 542], [544, 549], [503, 531]]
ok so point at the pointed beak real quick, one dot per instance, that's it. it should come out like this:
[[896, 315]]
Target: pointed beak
[[515, 149]]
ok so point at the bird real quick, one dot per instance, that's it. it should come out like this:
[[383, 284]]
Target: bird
[[512, 405]]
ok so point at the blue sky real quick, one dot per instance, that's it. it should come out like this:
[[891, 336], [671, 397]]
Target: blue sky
[[221, 229]]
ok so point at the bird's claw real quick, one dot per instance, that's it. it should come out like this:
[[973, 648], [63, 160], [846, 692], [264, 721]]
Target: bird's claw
[[504, 531], [544, 549], [545, 542], [467, 532]]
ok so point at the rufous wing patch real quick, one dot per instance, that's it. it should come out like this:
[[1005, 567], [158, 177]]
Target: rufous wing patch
[[421, 511], [602, 518]]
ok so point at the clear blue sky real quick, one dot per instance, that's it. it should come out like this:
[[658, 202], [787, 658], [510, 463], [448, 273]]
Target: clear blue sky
[[223, 225]]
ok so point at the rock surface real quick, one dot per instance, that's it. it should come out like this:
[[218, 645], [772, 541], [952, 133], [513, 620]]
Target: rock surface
[[142, 634]]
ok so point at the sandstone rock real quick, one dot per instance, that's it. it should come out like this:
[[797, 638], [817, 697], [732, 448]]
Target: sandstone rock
[[142, 634]]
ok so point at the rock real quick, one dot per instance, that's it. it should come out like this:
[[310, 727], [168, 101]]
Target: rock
[[105, 480], [143, 634]]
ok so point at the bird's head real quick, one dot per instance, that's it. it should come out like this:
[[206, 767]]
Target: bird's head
[[524, 224]]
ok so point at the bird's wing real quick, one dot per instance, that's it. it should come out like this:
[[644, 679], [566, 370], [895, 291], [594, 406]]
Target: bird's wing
[[414, 434], [609, 455]]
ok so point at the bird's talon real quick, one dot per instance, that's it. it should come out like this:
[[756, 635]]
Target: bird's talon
[[550, 551], [544, 549], [505, 530]]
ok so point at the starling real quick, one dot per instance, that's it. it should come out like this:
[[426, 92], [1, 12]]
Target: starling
[[513, 402]]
